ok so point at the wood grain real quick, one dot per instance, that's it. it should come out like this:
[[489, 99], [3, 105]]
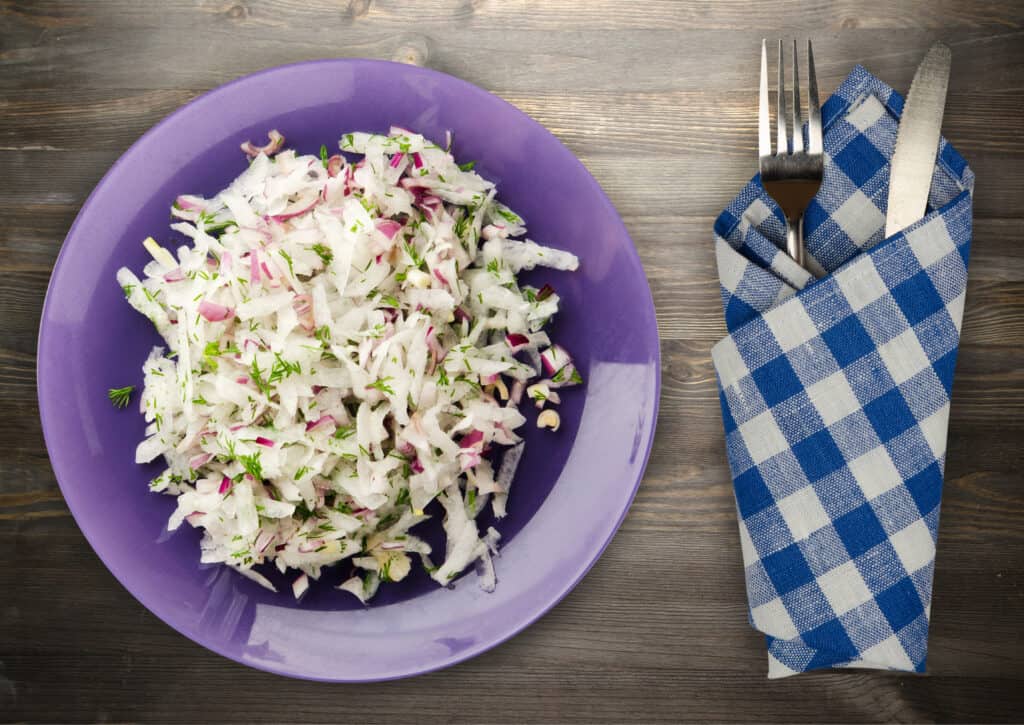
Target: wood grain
[[657, 99]]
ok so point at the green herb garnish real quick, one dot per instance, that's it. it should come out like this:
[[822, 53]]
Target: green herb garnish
[[324, 252], [417, 260], [120, 396], [282, 369], [287, 258], [507, 214], [343, 433], [382, 385], [257, 378], [252, 465]]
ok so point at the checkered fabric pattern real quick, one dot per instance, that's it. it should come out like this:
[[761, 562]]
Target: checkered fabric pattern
[[835, 396]]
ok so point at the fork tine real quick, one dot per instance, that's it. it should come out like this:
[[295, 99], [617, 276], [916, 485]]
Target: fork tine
[[783, 141], [814, 144], [798, 125], [764, 128]]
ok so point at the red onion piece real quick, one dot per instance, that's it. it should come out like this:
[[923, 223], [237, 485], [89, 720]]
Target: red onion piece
[[302, 304], [214, 312], [431, 205], [388, 227], [334, 165], [200, 460], [254, 266], [436, 351], [470, 458], [554, 359], [405, 448], [225, 485], [190, 203], [297, 209], [265, 442], [516, 341], [270, 148], [321, 421], [471, 439]]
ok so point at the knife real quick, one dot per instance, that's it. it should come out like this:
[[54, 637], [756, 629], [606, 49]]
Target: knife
[[917, 141]]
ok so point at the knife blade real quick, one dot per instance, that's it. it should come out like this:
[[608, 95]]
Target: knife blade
[[917, 141]]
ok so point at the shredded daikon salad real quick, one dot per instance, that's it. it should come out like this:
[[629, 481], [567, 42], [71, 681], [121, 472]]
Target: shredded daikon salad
[[347, 342]]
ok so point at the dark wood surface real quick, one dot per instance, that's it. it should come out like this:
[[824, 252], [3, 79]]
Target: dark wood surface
[[658, 100]]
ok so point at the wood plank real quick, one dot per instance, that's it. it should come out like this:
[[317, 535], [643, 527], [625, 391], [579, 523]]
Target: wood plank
[[530, 15], [213, 45]]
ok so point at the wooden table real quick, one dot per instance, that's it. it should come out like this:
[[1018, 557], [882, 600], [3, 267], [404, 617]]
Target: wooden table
[[658, 100]]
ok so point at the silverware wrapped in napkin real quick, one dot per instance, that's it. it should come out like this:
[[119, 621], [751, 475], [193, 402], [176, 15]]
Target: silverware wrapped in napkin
[[835, 395]]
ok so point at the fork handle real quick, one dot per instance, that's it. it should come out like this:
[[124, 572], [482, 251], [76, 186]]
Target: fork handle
[[795, 239]]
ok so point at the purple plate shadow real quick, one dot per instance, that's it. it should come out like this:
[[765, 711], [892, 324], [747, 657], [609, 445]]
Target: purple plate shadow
[[572, 490]]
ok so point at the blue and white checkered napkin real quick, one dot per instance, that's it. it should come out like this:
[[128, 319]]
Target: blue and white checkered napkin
[[835, 396]]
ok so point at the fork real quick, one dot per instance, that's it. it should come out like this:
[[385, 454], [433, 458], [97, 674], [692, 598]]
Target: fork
[[791, 177]]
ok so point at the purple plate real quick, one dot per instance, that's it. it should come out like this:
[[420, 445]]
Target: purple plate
[[572, 490]]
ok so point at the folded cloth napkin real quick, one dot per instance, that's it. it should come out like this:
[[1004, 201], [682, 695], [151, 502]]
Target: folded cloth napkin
[[835, 396]]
